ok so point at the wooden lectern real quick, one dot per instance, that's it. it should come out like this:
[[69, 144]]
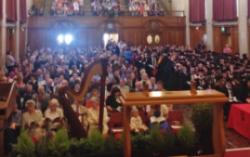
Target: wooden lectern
[[212, 97]]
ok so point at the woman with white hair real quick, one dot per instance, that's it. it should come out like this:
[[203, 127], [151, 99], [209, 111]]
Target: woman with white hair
[[93, 119], [136, 122], [53, 111], [32, 115]]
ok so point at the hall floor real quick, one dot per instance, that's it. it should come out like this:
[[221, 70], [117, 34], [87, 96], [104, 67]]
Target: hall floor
[[235, 140]]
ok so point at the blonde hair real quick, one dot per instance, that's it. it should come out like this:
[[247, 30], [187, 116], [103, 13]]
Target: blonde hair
[[54, 101], [30, 102]]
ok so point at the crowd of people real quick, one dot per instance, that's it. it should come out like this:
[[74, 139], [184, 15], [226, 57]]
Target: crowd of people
[[130, 68], [105, 7], [145, 8], [59, 7], [76, 8], [98, 8], [66, 7]]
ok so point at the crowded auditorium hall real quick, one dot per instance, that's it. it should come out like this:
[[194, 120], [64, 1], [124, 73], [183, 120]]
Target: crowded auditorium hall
[[131, 78]]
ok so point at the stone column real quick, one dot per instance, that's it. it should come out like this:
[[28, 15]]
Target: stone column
[[17, 53], [3, 35], [2, 64], [243, 27], [29, 3], [209, 24], [187, 22]]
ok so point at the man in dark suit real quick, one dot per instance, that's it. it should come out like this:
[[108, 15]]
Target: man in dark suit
[[166, 71]]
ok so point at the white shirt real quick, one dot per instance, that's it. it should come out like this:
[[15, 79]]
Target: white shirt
[[136, 124], [93, 119], [154, 119], [28, 118], [76, 6], [53, 115]]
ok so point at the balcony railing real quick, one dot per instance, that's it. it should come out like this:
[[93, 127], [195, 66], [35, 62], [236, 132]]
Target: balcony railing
[[114, 13]]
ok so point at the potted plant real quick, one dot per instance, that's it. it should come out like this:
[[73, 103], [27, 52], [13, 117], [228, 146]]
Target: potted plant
[[25, 146], [186, 140], [202, 119]]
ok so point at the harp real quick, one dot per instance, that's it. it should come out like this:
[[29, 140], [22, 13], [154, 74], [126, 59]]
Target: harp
[[98, 67], [7, 100]]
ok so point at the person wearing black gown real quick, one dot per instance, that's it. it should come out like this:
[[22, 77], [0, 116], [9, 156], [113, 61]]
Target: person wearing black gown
[[166, 72]]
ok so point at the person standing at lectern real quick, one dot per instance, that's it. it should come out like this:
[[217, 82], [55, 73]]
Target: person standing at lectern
[[166, 71]]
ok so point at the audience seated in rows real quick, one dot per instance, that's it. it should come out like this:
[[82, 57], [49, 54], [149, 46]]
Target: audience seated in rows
[[98, 8], [145, 8], [59, 7], [130, 68], [105, 7]]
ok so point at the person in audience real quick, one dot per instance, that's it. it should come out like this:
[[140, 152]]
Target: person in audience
[[93, 119], [42, 98], [112, 102], [227, 49], [33, 11], [28, 94], [76, 7], [10, 61], [32, 115], [93, 97], [20, 85], [54, 117], [54, 111], [164, 108], [158, 119], [82, 113], [123, 86], [136, 123], [77, 87]]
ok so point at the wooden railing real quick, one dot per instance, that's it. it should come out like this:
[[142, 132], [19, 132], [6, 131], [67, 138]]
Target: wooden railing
[[215, 98], [88, 13], [7, 100]]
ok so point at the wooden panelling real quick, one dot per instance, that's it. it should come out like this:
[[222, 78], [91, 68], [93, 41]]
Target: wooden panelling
[[196, 35], [229, 37], [88, 31], [235, 39]]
